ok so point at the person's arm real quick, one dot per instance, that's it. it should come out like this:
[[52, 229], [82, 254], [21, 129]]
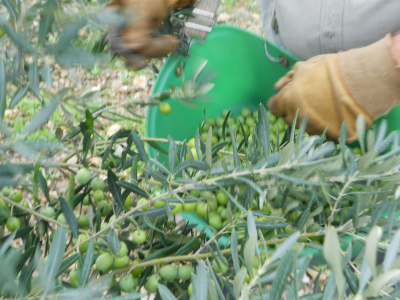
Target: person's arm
[[335, 88], [135, 40]]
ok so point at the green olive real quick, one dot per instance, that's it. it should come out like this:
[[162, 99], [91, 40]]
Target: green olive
[[271, 117], [254, 205], [112, 218], [223, 214], [151, 283], [225, 112], [214, 140], [15, 195], [123, 251], [104, 262], [139, 236], [128, 283], [190, 289], [290, 229], [138, 271], [97, 184], [250, 122], [3, 203], [168, 272], [98, 195], [104, 207], [255, 114], [48, 212], [13, 224], [212, 204], [282, 124], [6, 191], [220, 208], [103, 226], [202, 209], [245, 112], [194, 154], [83, 222], [203, 137], [159, 203], [82, 238], [86, 200], [121, 261], [61, 219], [211, 121], [192, 143], [177, 208], [165, 108], [83, 176], [185, 272], [255, 262], [143, 201], [215, 221], [128, 202], [220, 121], [189, 206], [74, 278], [220, 266], [240, 119], [222, 198], [248, 278], [195, 193]]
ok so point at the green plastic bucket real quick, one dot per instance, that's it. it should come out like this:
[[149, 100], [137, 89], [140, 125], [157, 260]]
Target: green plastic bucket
[[246, 79]]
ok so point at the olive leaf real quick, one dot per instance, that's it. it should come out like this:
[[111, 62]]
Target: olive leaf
[[113, 241]]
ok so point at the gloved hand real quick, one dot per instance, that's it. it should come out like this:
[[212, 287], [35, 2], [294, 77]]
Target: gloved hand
[[135, 40], [335, 88]]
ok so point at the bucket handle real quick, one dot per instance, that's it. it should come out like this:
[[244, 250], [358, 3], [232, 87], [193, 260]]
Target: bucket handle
[[282, 59]]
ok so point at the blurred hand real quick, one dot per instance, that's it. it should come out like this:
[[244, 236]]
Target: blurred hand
[[135, 40], [335, 88]]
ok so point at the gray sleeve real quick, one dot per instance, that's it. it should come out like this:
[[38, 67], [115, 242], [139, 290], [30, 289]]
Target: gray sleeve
[[312, 27], [268, 18]]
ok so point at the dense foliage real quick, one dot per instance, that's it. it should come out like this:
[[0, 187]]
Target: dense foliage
[[114, 232]]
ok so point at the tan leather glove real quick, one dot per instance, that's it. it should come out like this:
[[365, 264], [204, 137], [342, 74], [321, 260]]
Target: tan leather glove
[[335, 88], [135, 40]]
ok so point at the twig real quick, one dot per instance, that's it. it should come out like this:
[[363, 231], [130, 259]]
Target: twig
[[342, 193], [31, 211]]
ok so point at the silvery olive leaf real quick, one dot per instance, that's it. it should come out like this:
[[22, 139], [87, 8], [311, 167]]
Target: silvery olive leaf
[[194, 89], [189, 89], [184, 101], [205, 88], [201, 68]]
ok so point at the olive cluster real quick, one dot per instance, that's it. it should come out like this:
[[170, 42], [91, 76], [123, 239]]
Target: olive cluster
[[101, 201], [245, 122], [13, 223], [106, 260], [216, 207]]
